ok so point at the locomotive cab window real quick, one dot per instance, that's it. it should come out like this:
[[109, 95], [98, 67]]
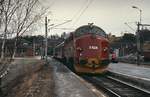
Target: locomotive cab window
[[90, 30]]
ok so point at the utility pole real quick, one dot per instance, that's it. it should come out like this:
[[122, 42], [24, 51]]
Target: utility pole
[[139, 49], [34, 47], [46, 29], [46, 39], [1, 86], [138, 43], [139, 25]]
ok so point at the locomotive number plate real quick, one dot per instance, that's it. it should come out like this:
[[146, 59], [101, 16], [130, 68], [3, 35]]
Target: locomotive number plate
[[93, 47]]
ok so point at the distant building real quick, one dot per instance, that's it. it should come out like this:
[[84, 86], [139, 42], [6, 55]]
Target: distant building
[[122, 45]]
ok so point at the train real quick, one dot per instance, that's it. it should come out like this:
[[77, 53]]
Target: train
[[87, 49]]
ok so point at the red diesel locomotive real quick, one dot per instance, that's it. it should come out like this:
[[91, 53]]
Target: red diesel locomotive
[[87, 49]]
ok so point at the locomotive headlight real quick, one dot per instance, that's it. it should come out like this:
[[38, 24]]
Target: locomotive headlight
[[79, 49], [105, 49]]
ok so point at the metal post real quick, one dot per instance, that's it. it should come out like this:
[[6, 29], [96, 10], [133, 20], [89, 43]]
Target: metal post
[[138, 43], [140, 16], [34, 47], [1, 92], [140, 12], [46, 39], [54, 52], [138, 36]]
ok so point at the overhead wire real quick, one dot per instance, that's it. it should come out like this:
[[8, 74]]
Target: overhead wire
[[83, 11], [76, 15], [79, 11]]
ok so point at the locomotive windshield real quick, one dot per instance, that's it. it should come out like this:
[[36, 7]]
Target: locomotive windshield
[[89, 30]]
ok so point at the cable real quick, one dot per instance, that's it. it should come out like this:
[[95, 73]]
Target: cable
[[79, 11], [129, 26], [83, 11], [65, 28]]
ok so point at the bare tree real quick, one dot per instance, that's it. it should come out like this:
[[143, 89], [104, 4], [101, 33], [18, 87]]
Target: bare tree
[[26, 15], [1, 11], [18, 17], [8, 9]]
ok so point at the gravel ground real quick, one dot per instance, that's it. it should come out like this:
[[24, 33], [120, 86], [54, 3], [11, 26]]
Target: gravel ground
[[28, 77], [37, 84]]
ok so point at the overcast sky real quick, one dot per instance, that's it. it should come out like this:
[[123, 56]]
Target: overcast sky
[[110, 15]]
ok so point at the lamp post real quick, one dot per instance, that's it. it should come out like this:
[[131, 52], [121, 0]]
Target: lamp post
[[139, 11], [138, 35]]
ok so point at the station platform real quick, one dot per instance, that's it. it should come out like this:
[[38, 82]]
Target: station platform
[[68, 84], [140, 72]]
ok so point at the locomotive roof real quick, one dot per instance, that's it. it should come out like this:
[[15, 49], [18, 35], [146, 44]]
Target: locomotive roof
[[90, 29]]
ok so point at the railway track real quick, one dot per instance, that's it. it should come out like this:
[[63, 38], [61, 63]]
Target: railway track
[[114, 87]]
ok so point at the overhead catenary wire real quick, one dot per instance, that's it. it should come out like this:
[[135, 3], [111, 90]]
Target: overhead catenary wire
[[83, 11], [79, 11], [129, 26], [65, 28], [77, 16]]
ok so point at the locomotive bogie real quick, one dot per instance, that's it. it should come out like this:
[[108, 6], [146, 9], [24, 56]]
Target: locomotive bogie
[[85, 69]]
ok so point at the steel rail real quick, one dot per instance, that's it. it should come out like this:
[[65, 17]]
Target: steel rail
[[130, 85], [100, 87], [117, 88]]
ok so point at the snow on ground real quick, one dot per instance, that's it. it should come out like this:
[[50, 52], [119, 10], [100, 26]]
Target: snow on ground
[[68, 85], [130, 69]]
